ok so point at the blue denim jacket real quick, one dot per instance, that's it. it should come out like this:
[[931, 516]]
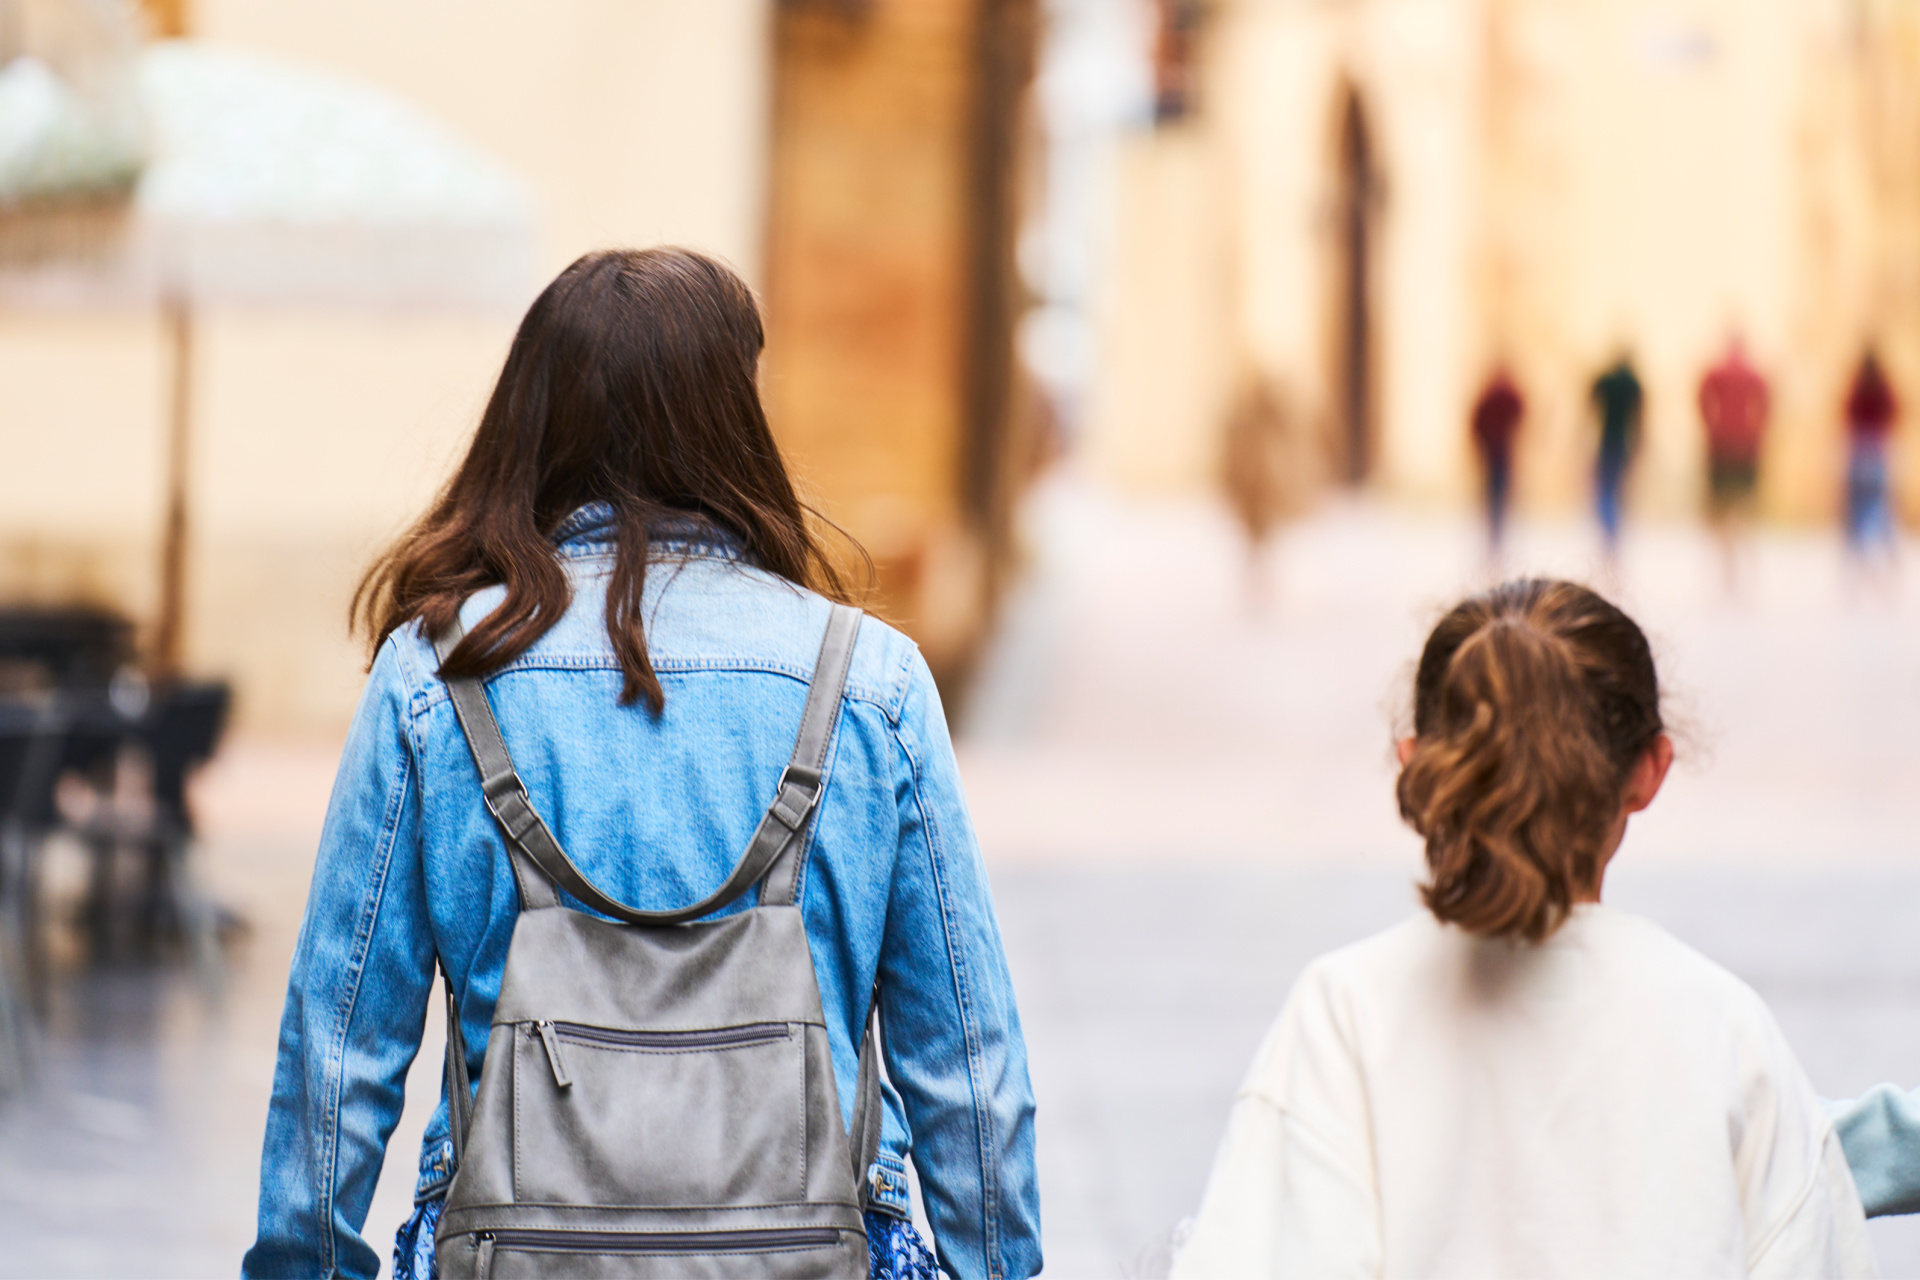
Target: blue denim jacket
[[656, 811]]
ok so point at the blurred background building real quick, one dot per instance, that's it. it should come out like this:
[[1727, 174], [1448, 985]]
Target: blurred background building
[[1367, 204], [989, 231]]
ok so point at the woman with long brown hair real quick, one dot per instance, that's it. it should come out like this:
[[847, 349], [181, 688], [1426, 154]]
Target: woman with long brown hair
[[623, 563], [1522, 1083]]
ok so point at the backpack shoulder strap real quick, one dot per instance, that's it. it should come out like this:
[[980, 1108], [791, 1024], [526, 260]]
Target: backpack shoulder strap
[[540, 863], [531, 845], [459, 1084], [785, 823]]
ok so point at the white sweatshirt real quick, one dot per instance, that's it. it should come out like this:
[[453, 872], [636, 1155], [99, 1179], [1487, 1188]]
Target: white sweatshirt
[[1609, 1105]]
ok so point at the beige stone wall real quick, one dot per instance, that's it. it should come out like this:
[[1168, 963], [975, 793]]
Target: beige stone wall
[[1858, 269], [1560, 179], [319, 435], [1166, 333], [1221, 268]]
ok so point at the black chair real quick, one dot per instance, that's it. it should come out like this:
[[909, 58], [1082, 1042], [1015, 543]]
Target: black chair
[[180, 731]]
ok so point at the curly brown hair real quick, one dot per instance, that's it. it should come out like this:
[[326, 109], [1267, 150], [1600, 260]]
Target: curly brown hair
[[1532, 704]]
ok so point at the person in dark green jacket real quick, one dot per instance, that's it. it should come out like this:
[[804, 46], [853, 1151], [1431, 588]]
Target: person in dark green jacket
[[1618, 399]]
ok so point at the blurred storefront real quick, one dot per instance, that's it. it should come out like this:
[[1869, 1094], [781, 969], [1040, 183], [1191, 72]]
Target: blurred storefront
[[1365, 205]]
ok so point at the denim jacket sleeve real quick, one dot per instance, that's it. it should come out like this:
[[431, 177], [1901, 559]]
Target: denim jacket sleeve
[[356, 1002], [1880, 1132], [972, 1128]]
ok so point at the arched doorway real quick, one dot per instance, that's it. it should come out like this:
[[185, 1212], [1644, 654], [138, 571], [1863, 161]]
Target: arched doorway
[[1354, 357]]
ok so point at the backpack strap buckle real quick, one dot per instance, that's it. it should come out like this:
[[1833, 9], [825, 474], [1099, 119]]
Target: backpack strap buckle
[[798, 793], [507, 796]]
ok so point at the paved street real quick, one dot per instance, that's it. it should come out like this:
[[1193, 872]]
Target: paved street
[[1182, 799]]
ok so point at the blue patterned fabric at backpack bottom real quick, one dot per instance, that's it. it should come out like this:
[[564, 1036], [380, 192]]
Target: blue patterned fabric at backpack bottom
[[895, 1250], [413, 1244]]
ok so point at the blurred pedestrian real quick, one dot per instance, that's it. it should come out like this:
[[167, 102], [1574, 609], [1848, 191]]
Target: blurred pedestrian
[[1496, 421], [1871, 412], [1733, 409], [1619, 400], [1522, 1081], [1262, 474], [620, 588]]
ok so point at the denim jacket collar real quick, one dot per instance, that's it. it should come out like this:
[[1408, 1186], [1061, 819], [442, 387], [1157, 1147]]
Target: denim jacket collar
[[590, 530]]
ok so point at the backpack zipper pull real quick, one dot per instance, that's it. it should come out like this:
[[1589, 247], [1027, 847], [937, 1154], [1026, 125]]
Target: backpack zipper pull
[[485, 1266], [559, 1064]]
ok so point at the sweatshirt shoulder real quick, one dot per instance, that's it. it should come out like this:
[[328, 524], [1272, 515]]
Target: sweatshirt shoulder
[[1338, 986], [1313, 1046], [1665, 962], [1408, 946]]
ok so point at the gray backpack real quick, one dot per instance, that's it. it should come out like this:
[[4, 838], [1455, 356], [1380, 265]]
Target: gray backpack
[[658, 1096]]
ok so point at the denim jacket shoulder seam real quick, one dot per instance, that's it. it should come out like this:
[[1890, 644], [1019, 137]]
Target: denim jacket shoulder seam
[[420, 681], [902, 685], [605, 661], [982, 1112], [433, 691], [412, 674]]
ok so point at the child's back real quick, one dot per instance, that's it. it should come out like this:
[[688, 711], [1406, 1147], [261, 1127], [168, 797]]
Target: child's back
[[1527, 1085], [1605, 1104]]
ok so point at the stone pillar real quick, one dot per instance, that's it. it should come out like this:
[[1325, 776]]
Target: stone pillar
[[891, 291]]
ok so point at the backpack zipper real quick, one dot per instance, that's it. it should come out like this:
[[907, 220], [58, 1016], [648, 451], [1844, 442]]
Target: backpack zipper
[[717, 1038], [552, 1033], [559, 1064], [771, 1239]]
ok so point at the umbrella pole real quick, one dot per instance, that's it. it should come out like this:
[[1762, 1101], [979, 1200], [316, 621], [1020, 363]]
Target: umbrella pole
[[177, 320]]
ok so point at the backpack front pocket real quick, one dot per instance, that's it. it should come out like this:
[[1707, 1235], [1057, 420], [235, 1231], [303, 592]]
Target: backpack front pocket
[[655, 1113]]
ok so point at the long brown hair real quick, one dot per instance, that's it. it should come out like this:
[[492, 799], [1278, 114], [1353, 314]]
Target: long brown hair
[[1532, 705], [632, 382]]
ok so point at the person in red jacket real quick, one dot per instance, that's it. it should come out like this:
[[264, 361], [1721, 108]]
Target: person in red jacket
[[1733, 408], [1871, 412], [1496, 421]]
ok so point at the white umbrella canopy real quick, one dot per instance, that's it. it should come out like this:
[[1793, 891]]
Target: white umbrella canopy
[[263, 184], [269, 183]]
